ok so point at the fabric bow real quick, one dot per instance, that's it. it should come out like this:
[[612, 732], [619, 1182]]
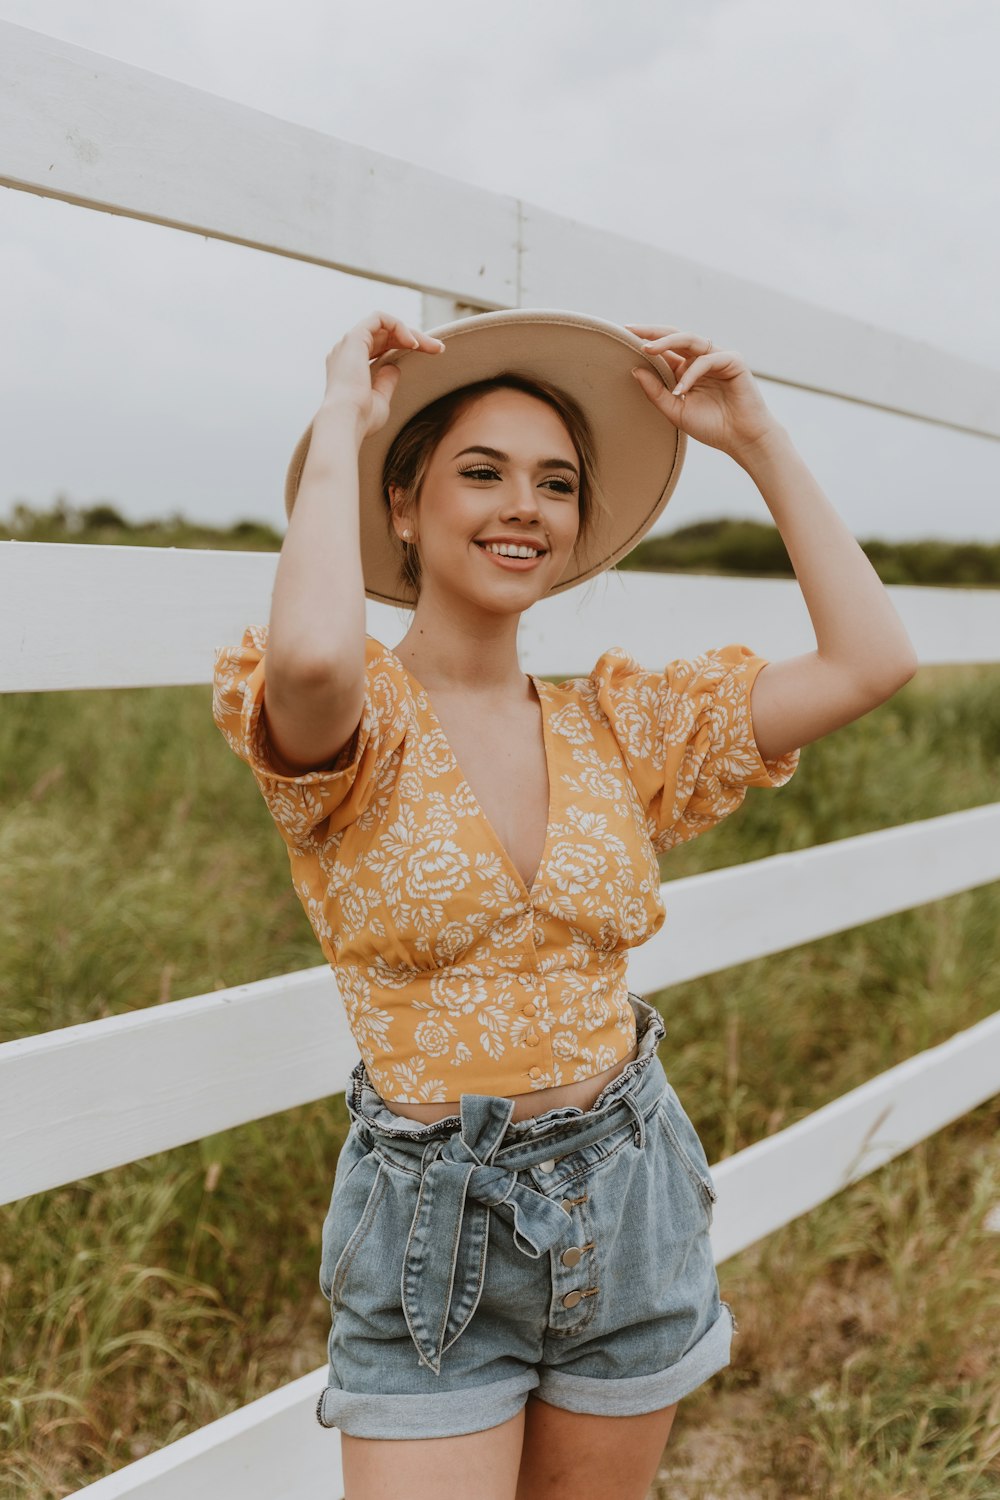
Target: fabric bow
[[459, 1187]]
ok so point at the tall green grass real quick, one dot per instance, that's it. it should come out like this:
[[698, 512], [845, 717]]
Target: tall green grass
[[139, 865]]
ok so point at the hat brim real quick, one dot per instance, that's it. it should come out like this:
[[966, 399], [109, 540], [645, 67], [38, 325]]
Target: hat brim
[[639, 450]]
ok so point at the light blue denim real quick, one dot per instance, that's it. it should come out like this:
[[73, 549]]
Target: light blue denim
[[472, 1261]]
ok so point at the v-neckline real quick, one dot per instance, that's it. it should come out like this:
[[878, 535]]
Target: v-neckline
[[529, 891]]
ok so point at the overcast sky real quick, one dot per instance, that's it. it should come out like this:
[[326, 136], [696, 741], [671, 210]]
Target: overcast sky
[[843, 150]]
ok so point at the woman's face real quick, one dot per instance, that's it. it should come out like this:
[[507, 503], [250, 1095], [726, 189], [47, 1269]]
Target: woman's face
[[526, 490]]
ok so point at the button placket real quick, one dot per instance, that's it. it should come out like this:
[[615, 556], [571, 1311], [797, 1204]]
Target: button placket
[[530, 1008], [574, 1278]]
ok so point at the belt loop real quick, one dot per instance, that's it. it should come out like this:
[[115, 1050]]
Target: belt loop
[[640, 1124], [430, 1153]]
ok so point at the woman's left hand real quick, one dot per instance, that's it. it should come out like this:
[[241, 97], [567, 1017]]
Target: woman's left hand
[[715, 399]]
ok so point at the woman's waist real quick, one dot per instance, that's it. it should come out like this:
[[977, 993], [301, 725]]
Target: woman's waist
[[428, 1043], [581, 1094]]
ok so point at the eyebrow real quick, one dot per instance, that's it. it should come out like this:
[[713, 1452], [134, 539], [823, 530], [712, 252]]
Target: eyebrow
[[504, 458]]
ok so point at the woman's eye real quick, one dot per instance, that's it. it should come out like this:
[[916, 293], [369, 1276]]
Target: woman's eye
[[479, 471], [484, 471]]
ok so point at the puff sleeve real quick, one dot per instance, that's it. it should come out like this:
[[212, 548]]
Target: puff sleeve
[[311, 807], [686, 736]]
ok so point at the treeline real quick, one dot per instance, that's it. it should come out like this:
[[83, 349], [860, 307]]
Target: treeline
[[103, 524], [751, 548]]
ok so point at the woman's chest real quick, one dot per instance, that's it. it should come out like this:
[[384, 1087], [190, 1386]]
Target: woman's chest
[[502, 760], [436, 870]]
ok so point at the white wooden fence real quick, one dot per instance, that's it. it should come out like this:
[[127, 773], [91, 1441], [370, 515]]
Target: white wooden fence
[[78, 1101]]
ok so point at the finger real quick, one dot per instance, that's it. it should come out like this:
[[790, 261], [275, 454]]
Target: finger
[[672, 357], [387, 330], [680, 340], [378, 329], [385, 380], [404, 335], [658, 392], [697, 368], [650, 330], [428, 341]]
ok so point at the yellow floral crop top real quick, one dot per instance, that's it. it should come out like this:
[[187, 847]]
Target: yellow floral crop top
[[456, 978]]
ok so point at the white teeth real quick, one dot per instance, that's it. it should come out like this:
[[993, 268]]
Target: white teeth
[[506, 549]]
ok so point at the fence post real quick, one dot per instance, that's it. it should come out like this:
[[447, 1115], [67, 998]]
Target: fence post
[[437, 310]]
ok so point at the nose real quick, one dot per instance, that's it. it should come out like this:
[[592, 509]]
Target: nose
[[520, 500]]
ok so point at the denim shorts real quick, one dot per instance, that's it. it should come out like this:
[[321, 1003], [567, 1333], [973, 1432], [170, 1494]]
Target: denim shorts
[[474, 1260]]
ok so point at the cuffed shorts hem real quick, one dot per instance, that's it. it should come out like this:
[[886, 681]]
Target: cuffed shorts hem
[[452, 1413], [449, 1414], [642, 1393]]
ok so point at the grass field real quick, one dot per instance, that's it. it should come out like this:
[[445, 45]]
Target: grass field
[[139, 1304]]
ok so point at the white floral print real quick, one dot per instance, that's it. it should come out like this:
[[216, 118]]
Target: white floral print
[[455, 977]]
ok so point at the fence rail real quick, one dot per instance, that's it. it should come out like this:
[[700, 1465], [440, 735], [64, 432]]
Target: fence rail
[[87, 616], [104, 135], [94, 131], [87, 1098]]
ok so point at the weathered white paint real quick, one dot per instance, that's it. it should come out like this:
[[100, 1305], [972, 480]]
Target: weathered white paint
[[106, 135], [86, 1098], [95, 1096], [271, 1449], [275, 1449], [79, 616], [101, 133]]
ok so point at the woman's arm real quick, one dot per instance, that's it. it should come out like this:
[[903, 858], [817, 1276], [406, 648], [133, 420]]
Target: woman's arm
[[316, 634], [863, 654]]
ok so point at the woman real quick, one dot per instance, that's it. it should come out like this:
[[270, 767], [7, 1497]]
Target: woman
[[517, 1249]]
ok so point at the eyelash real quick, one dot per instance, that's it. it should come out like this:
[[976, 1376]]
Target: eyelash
[[476, 469]]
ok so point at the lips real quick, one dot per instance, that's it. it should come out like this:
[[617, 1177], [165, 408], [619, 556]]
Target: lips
[[539, 551], [512, 564]]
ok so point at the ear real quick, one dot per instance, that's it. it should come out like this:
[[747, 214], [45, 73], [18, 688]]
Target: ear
[[401, 523]]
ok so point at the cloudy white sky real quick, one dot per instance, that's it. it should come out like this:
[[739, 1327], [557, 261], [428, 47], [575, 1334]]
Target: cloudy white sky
[[843, 150]]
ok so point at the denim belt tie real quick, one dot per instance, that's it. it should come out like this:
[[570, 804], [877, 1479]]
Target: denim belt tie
[[458, 1187]]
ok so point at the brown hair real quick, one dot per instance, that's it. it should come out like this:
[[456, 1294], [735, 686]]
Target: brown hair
[[408, 458]]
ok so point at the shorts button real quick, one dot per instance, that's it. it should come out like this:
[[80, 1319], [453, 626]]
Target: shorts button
[[534, 1072], [529, 1009], [532, 1039], [547, 1166], [567, 1204], [571, 1299], [571, 1256]]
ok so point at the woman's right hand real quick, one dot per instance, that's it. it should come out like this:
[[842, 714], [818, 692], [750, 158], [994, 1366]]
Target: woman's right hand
[[349, 381]]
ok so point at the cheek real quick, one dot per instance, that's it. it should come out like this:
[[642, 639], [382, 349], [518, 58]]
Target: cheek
[[569, 528]]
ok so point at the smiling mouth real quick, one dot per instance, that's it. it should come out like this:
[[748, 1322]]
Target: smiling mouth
[[512, 564], [530, 551]]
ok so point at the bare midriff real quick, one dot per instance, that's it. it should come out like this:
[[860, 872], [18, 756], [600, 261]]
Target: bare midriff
[[582, 1094]]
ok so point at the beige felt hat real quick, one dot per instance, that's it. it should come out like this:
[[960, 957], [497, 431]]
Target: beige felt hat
[[639, 451]]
